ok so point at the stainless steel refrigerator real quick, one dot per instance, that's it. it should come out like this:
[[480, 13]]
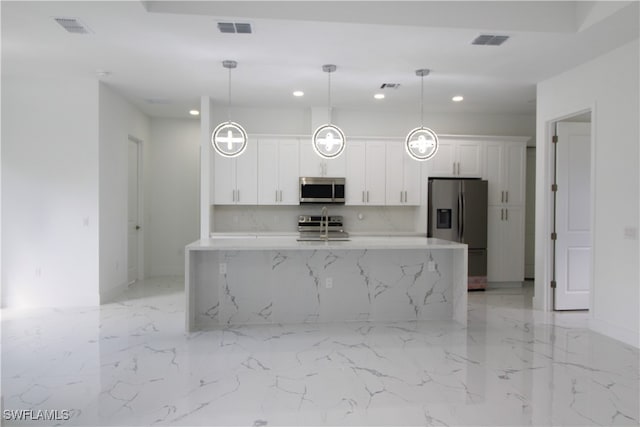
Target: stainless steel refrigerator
[[458, 212]]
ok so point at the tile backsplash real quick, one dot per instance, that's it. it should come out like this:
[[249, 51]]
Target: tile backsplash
[[357, 219]]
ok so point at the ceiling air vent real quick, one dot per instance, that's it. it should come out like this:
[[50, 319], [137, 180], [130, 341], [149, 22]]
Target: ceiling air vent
[[73, 25], [389, 85], [489, 40], [234, 27]]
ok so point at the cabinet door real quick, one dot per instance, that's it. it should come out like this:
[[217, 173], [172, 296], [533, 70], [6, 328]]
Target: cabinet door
[[247, 174], [513, 244], [494, 171], [470, 158], [515, 176], [442, 164], [310, 163], [268, 190], [495, 253], [288, 156], [336, 168], [395, 176], [224, 180], [356, 179], [412, 180], [375, 173]]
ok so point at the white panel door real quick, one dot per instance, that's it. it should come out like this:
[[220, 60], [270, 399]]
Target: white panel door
[[133, 225], [573, 216], [288, 172], [268, 190]]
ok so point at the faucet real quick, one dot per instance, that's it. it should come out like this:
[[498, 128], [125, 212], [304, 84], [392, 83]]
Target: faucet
[[324, 217]]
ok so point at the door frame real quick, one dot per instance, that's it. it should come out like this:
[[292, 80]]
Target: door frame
[[548, 210], [140, 220]]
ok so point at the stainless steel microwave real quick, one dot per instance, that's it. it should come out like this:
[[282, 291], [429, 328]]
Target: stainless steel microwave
[[322, 190]]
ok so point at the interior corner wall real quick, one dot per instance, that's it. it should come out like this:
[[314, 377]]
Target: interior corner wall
[[174, 194], [49, 191], [610, 85], [118, 120]]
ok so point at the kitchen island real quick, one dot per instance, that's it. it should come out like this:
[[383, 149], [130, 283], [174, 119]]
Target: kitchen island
[[265, 280]]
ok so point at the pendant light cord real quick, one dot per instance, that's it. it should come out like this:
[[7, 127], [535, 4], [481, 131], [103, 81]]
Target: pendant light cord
[[422, 101], [229, 100], [329, 110]]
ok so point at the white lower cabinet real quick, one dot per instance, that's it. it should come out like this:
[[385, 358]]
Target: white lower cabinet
[[403, 176], [236, 179], [505, 246], [278, 171], [366, 177]]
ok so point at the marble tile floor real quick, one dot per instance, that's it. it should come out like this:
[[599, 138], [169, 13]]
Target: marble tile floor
[[130, 363]]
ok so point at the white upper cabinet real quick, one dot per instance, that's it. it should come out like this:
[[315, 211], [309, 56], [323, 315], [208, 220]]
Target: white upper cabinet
[[458, 158], [236, 179], [403, 176], [366, 177], [278, 171], [311, 164], [506, 172]]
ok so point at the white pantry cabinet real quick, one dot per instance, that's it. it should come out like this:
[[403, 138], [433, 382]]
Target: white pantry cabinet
[[458, 158], [236, 179], [403, 176], [311, 164], [505, 245], [506, 173], [366, 177], [278, 171]]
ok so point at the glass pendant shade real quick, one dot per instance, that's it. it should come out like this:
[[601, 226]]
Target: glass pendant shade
[[421, 144], [328, 140], [229, 139]]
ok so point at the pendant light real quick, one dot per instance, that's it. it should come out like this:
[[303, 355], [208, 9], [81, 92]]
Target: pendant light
[[421, 143], [328, 140], [229, 139]]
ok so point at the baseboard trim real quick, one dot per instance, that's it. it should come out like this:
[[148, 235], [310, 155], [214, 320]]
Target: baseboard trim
[[616, 332]]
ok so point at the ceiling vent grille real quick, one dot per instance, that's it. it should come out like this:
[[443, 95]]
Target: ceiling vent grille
[[73, 25], [389, 85], [235, 27], [489, 40]]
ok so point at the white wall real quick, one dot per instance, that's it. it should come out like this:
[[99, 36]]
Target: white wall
[[610, 86], [118, 120], [173, 217], [49, 191]]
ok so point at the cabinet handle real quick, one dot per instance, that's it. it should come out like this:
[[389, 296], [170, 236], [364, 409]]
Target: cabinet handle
[[501, 214], [405, 196], [506, 214]]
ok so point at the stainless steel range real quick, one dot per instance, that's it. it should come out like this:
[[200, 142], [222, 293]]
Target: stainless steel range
[[321, 227]]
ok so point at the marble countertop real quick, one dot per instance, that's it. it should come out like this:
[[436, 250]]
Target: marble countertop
[[256, 242]]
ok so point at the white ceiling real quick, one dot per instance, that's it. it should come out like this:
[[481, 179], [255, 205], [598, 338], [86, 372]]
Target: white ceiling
[[164, 55]]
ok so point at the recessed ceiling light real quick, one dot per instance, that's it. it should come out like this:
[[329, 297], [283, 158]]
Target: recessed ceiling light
[[298, 93], [194, 112], [457, 98], [379, 96]]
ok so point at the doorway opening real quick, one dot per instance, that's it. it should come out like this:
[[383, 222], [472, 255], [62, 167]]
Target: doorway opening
[[134, 208], [572, 212]]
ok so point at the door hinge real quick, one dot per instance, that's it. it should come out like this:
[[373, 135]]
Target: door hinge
[[553, 284], [554, 236], [554, 187], [554, 139]]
